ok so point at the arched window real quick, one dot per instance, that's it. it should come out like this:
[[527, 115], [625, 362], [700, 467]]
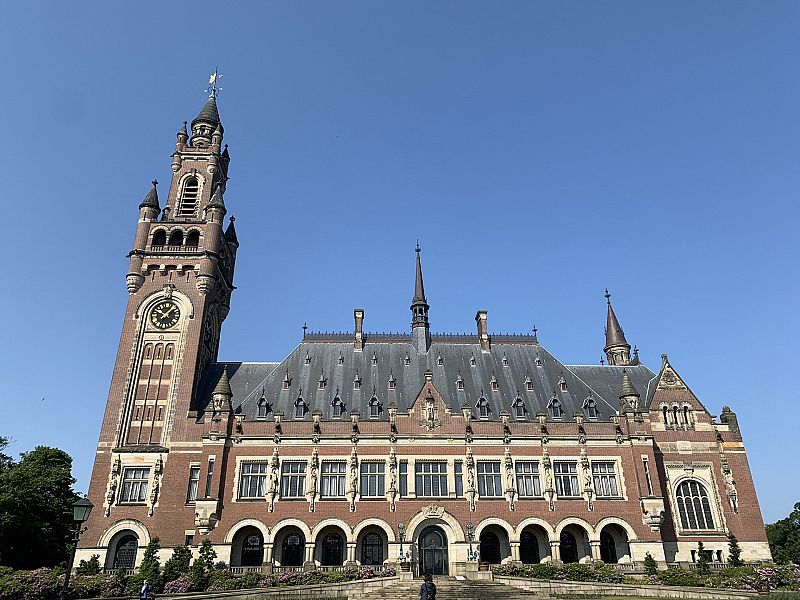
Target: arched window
[[608, 547], [125, 552], [252, 549], [483, 408], [292, 550], [569, 548], [686, 420], [332, 550], [675, 416], [490, 548], [193, 239], [694, 507], [189, 197], [160, 238], [263, 408], [176, 238], [666, 416], [372, 550]]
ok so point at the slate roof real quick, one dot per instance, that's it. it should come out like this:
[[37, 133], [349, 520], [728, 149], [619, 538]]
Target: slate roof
[[510, 361]]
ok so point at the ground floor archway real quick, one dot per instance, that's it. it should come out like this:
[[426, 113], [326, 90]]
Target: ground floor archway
[[433, 555]]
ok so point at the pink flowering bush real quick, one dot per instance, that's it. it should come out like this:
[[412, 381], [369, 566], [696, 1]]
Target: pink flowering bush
[[181, 585]]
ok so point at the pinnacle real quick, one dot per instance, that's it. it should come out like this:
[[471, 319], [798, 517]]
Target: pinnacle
[[151, 199], [209, 113], [615, 336], [223, 387], [628, 388]]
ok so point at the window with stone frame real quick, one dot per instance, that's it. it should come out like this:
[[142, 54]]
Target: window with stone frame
[[519, 408], [490, 483], [333, 479], [566, 479], [293, 479], [458, 471], [253, 479], [194, 483], [373, 479], [403, 478], [189, 198], [694, 505], [528, 483], [337, 407], [134, 485], [605, 479], [431, 478], [590, 406], [554, 407], [483, 408]]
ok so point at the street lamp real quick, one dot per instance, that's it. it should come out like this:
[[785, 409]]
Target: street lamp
[[80, 513], [470, 537], [401, 534]]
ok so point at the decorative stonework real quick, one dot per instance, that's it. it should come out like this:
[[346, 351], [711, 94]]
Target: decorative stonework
[[205, 515], [392, 492], [274, 479], [669, 379], [352, 480], [313, 476], [111, 488], [158, 473], [471, 492]]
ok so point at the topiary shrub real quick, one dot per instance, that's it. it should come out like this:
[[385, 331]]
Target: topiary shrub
[[89, 567], [650, 564]]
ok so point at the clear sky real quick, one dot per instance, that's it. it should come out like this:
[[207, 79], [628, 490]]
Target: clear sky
[[540, 151]]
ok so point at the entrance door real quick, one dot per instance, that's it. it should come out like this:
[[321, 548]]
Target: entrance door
[[608, 549], [433, 552], [252, 550], [490, 548], [569, 548]]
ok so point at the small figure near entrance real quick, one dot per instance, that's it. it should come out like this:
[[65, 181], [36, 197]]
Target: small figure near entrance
[[428, 589]]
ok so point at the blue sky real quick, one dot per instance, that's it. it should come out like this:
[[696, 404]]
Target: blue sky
[[540, 151]]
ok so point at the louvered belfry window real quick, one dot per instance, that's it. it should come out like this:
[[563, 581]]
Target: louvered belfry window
[[189, 197]]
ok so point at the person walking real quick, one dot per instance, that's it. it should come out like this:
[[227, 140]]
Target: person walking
[[428, 589], [145, 592]]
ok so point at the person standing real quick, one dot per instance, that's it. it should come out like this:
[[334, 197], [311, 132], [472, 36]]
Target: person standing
[[428, 589], [145, 592]]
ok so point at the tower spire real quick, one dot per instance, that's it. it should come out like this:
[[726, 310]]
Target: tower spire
[[618, 350], [207, 121], [420, 327]]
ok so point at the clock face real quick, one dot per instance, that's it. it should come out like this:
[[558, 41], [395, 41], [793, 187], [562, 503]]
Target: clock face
[[165, 314]]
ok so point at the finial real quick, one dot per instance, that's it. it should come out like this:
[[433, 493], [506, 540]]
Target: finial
[[418, 248], [232, 219], [608, 297], [602, 361], [154, 182], [213, 89], [305, 327], [535, 331]]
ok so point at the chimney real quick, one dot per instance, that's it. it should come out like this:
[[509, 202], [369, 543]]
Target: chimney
[[358, 343], [483, 333]]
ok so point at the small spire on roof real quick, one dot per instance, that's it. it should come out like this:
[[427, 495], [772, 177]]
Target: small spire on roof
[[217, 199], [617, 349], [230, 233], [305, 328], [151, 199], [223, 387]]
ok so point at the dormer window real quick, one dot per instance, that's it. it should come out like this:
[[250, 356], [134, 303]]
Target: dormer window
[[374, 359], [407, 360], [392, 381], [519, 408], [439, 361], [374, 408], [189, 197], [337, 408], [341, 358], [263, 408], [494, 383], [472, 361], [562, 384], [554, 407], [528, 383], [505, 360], [308, 358], [299, 408], [357, 382], [460, 382], [322, 382], [287, 381], [483, 408], [538, 361], [590, 406]]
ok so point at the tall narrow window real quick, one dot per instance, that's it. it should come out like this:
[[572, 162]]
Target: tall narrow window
[[554, 406], [519, 408], [483, 408], [605, 480], [458, 470], [263, 408], [337, 408], [374, 408], [489, 483], [566, 476], [403, 478], [209, 477], [194, 480], [431, 478], [646, 466], [293, 480], [666, 418], [528, 483], [590, 406], [299, 408], [189, 197]]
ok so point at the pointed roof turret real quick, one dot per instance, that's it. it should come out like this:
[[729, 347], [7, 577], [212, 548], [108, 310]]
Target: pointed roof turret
[[151, 199], [230, 233], [628, 397], [217, 199], [617, 349], [419, 287], [209, 113], [628, 389], [420, 327], [223, 387]]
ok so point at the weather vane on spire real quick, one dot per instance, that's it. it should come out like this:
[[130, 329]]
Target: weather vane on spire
[[213, 89]]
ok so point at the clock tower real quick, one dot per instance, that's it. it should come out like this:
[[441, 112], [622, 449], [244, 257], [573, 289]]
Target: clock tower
[[179, 281]]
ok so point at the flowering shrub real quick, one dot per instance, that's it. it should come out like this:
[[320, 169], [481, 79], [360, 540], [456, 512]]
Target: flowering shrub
[[181, 585], [568, 572]]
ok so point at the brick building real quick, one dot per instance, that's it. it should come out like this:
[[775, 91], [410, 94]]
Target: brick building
[[357, 444]]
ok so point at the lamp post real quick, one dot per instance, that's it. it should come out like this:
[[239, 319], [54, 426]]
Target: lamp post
[[80, 513], [470, 537], [401, 534]]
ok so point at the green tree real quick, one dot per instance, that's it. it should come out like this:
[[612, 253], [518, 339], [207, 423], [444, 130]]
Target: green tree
[[5, 459], [702, 559], [150, 568], [202, 566], [734, 552], [36, 499], [784, 538], [178, 564], [89, 567], [650, 565]]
